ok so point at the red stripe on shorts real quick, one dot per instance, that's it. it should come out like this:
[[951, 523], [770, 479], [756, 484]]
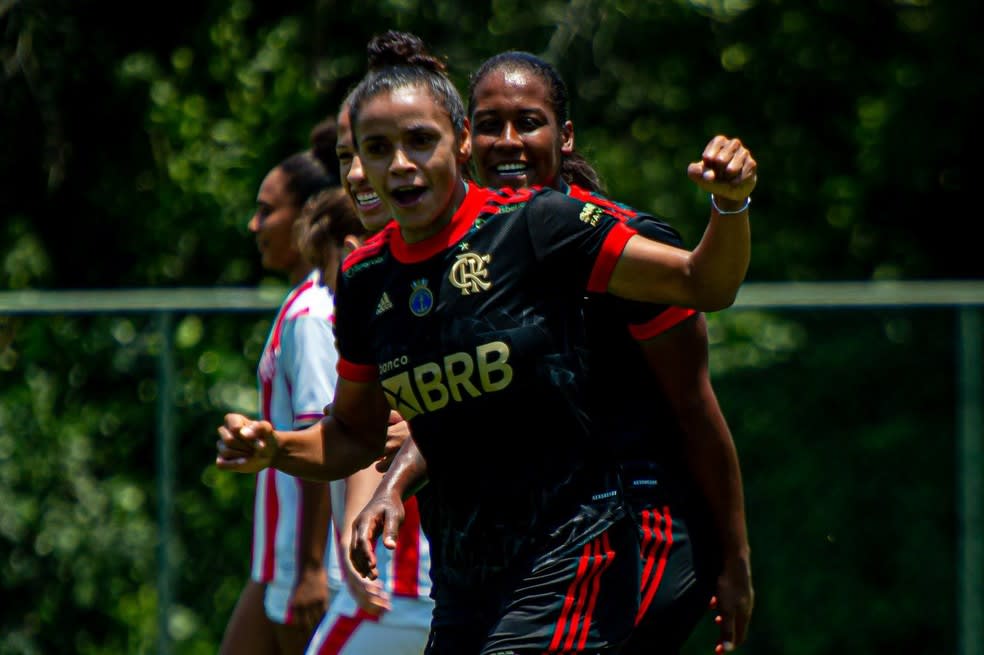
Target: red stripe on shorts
[[271, 516], [582, 594], [655, 552], [342, 631], [608, 556]]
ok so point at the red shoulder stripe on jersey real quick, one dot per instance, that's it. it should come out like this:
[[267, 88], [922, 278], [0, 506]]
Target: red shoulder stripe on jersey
[[357, 372], [278, 324], [372, 246], [506, 196], [620, 211], [307, 418], [611, 250], [460, 223], [661, 323]]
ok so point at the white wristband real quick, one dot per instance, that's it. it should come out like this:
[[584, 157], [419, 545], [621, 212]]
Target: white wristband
[[748, 201]]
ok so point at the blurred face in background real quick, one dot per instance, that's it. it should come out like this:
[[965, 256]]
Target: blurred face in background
[[516, 140], [372, 211], [273, 223]]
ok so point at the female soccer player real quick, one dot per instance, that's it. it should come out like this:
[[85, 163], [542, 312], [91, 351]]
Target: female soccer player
[[660, 409], [287, 593], [469, 306]]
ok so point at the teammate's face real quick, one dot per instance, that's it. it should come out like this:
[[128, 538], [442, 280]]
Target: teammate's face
[[372, 211], [413, 158], [516, 140], [273, 223]]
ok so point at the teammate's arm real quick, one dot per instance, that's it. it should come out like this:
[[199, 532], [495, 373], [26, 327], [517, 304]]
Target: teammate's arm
[[368, 593], [384, 513], [679, 360], [709, 277], [347, 440], [309, 598]]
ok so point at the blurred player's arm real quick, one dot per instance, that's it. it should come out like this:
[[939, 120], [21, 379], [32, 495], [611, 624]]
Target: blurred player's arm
[[309, 599], [369, 594], [349, 439], [680, 361]]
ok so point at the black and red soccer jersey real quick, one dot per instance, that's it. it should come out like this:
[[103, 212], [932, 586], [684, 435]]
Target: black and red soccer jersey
[[625, 401], [477, 338]]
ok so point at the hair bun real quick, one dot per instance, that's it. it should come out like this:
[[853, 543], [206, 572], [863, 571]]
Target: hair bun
[[394, 48]]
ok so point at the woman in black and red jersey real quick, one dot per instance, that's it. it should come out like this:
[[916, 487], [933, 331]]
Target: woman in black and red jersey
[[465, 316], [680, 466]]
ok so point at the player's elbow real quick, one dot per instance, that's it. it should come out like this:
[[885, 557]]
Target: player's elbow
[[716, 292], [718, 300]]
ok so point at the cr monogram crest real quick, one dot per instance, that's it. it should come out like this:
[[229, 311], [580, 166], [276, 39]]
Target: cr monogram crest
[[469, 273]]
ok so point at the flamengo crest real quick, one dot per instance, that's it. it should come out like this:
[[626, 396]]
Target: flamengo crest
[[469, 273]]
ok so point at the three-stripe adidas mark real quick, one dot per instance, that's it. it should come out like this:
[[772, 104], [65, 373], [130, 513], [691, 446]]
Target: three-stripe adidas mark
[[384, 304]]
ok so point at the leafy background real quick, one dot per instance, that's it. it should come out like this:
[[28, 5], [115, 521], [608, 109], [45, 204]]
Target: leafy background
[[134, 138]]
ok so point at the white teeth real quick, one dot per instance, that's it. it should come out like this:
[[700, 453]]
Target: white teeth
[[511, 168], [367, 198]]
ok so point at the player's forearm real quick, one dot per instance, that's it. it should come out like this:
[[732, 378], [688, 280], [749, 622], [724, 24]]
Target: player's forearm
[[713, 462], [407, 474], [314, 522], [359, 488], [706, 279], [720, 261], [325, 451]]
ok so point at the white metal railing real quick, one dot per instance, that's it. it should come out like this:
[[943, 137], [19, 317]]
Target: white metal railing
[[966, 297], [760, 295]]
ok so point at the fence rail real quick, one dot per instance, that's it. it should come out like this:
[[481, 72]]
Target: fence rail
[[966, 297], [757, 295]]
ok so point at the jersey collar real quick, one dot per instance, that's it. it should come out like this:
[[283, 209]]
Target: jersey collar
[[464, 217]]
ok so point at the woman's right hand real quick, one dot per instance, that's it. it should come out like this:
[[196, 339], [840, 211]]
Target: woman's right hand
[[245, 445]]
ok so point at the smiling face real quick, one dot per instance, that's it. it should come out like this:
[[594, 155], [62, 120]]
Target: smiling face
[[273, 223], [372, 212], [517, 141], [413, 157]]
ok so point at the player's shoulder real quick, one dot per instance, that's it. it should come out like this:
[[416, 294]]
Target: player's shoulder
[[620, 210], [371, 253], [505, 200], [314, 300], [646, 223]]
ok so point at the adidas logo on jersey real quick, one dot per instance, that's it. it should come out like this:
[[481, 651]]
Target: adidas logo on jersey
[[384, 304]]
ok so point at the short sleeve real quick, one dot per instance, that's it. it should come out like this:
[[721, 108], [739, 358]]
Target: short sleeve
[[647, 320], [579, 238], [309, 358], [355, 355]]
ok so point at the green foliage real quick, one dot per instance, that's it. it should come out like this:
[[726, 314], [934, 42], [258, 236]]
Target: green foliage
[[131, 158]]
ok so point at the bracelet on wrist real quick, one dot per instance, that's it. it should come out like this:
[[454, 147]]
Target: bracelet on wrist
[[744, 207]]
